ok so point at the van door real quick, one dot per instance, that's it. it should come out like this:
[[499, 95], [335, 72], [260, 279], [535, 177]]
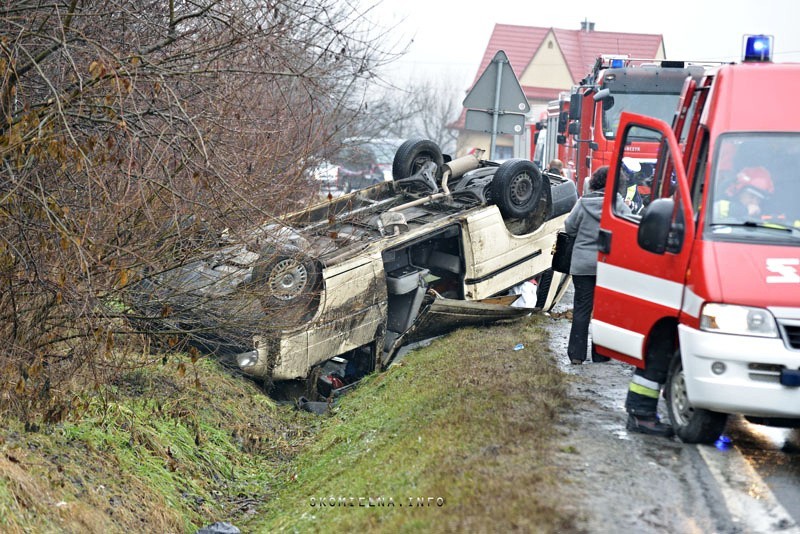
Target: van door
[[636, 288]]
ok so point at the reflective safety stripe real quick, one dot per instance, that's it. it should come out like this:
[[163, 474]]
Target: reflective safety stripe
[[724, 207], [642, 381], [630, 193], [643, 391]]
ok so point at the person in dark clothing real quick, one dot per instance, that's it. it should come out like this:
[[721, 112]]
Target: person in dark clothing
[[556, 166], [583, 223], [642, 400]]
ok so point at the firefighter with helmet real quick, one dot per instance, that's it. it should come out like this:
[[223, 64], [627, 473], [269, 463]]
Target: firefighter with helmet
[[746, 195], [628, 183]]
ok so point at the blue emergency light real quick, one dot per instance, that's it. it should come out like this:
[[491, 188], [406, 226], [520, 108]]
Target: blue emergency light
[[758, 48], [617, 63]]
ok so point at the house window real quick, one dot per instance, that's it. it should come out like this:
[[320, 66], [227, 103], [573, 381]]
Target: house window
[[503, 152], [550, 44]]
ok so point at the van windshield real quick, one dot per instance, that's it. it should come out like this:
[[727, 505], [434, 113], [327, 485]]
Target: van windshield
[[754, 189]]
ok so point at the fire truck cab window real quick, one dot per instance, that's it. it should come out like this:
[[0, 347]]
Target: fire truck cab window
[[754, 189], [656, 105]]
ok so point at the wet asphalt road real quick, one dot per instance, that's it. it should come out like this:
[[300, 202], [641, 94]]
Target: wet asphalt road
[[749, 483]]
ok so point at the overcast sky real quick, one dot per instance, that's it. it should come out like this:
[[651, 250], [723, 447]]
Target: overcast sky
[[450, 36]]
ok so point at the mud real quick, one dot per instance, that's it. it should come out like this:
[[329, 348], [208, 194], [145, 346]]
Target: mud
[[618, 481]]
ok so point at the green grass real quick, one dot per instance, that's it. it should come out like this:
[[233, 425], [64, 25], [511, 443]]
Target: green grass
[[455, 438], [157, 452]]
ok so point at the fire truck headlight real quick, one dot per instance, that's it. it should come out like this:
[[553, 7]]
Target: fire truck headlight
[[740, 320]]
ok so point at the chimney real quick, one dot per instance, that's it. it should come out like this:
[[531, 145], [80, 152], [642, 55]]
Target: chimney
[[587, 26]]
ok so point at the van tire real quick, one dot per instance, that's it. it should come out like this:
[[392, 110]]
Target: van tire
[[517, 188], [287, 283], [413, 154], [692, 425]]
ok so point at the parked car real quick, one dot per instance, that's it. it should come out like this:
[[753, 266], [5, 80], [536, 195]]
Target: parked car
[[365, 162], [326, 175], [339, 287]]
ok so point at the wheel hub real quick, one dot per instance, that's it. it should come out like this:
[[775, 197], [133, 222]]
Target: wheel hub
[[418, 163], [521, 189], [681, 407], [287, 280]]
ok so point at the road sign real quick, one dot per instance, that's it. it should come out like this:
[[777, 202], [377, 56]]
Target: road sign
[[484, 93], [498, 98], [482, 121]]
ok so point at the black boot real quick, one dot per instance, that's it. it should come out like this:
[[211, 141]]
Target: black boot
[[649, 425]]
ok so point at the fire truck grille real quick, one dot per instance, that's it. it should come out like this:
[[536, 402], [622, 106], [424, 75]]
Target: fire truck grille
[[792, 335]]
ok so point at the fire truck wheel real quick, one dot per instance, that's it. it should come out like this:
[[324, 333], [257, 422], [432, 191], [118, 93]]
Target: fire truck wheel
[[517, 188], [692, 425], [413, 154], [287, 284]]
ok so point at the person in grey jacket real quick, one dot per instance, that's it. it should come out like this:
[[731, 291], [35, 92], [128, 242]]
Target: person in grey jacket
[[583, 223]]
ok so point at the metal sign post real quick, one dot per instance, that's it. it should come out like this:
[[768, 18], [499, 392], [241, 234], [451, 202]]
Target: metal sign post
[[496, 103]]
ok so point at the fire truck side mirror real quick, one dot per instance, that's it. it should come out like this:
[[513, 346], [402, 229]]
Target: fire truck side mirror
[[655, 225], [575, 101], [604, 96], [574, 128], [563, 119]]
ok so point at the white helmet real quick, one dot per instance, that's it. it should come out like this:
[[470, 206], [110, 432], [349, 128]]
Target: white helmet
[[631, 166]]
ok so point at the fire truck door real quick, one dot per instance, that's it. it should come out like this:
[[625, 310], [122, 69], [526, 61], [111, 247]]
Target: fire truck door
[[636, 286]]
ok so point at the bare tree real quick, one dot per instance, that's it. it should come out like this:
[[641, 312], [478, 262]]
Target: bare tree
[[132, 132], [425, 108]]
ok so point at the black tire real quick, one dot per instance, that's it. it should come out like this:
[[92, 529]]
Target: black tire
[[287, 284], [413, 154], [692, 425], [543, 288], [517, 188]]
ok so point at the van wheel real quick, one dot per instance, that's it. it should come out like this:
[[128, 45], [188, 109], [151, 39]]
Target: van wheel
[[692, 425], [287, 284], [413, 154], [517, 188]]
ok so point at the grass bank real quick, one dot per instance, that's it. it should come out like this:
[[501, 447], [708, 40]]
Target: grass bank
[[168, 448], [456, 437]]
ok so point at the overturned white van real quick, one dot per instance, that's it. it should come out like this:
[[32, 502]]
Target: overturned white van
[[354, 278]]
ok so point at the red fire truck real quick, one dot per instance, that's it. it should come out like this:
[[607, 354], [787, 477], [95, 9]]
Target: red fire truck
[[549, 141], [588, 122], [704, 283]]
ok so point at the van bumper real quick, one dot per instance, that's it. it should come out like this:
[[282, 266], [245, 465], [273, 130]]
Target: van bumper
[[751, 381]]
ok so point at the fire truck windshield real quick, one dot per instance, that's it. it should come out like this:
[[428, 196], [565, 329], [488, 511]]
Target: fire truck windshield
[[754, 189], [659, 105]]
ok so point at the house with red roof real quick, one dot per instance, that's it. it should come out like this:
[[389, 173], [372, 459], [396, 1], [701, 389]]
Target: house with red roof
[[548, 61]]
